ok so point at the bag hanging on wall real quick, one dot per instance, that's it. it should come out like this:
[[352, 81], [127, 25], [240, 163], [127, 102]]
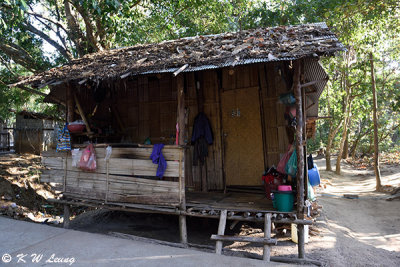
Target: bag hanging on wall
[[291, 165], [88, 159], [63, 139], [284, 160]]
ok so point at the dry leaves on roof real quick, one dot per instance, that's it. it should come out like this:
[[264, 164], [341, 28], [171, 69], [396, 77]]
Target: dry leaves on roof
[[276, 43]]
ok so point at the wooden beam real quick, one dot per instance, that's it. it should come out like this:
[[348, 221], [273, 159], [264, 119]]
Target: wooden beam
[[82, 82], [70, 104], [45, 84], [313, 82], [262, 83], [33, 91], [267, 236], [82, 114], [67, 214], [300, 153], [295, 260], [123, 76], [25, 88], [221, 231], [181, 111], [181, 69], [251, 239], [182, 202]]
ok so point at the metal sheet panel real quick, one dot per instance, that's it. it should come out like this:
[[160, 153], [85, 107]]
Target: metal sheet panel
[[313, 71]]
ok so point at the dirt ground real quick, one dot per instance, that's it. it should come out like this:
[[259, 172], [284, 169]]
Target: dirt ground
[[349, 232]]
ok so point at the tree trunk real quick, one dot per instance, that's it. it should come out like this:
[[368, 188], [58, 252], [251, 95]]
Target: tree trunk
[[345, 126], [75, 32], [345, 153], [332, 134], [346, 116], [375, 119]]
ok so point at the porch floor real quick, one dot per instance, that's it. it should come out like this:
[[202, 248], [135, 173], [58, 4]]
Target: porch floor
[[233, 201]]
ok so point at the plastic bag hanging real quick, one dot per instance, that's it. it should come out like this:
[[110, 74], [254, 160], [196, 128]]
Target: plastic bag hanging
[[284, 160], [63, 139], [291, 165], [88, 159], [108, 153], [76, 156]]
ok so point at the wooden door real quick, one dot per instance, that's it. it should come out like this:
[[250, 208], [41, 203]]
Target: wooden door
[[244, 158]]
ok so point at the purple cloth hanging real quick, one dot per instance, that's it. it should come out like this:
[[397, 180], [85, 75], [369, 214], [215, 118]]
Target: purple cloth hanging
[[158, 158]]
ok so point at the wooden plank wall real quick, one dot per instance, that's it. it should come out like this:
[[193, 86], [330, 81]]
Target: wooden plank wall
[[206, 98], [150, 102], [126, 172]]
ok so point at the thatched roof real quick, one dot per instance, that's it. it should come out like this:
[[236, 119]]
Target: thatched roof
[[200, 52]]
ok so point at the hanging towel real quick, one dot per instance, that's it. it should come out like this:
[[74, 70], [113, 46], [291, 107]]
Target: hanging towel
[[158, 158]]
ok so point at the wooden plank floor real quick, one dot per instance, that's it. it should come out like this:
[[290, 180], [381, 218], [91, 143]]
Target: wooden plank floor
[[231, 201]]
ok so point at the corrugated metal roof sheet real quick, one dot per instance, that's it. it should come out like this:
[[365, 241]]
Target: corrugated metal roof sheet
[[313, 71]]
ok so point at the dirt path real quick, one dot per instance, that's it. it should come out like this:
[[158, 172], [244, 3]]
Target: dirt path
[[357, 232]]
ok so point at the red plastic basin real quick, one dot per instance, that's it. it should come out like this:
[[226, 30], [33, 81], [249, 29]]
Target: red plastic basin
[[76, 128]]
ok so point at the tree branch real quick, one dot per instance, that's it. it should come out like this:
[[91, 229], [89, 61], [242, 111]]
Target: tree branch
[[135, 4], [6, 64], [19, 55], [56, 45], [58, 24]]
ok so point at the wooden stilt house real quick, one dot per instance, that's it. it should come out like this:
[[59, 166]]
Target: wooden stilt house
[[131, 96]]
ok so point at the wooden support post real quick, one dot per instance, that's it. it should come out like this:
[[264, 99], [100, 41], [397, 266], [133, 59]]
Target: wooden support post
[[65, 171], [183, 229], [267, 235], [181, 109], [262, 84], [67, 215], [82, 114], [107, 179], [200, 108], [221, 231], [182, 201], [70, 104], [303, 91], [300, 153]]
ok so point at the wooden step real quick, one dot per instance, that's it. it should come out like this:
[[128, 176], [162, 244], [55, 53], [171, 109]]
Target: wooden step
[[258, 240], [267, 240]]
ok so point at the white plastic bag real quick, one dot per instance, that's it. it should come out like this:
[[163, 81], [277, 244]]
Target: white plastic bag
[[108, 153], [76, 156]]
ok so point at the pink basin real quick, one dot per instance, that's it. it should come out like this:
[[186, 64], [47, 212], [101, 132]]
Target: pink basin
[[284, 188]]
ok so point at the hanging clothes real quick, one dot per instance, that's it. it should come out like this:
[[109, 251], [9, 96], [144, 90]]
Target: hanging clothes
[[63, 139], [157, 157], [202, 136]]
